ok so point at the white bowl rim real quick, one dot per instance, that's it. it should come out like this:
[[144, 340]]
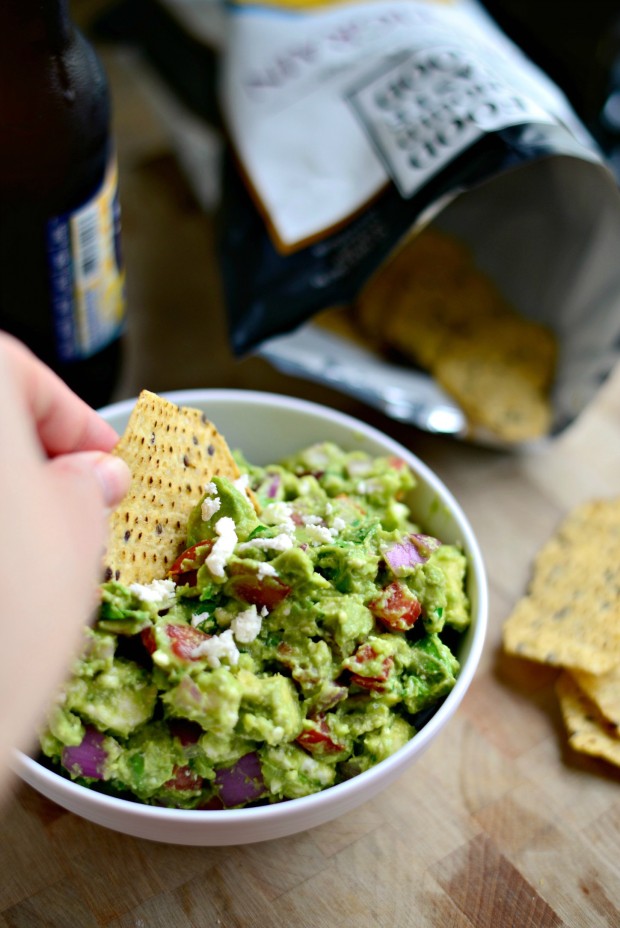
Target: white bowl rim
[[33, 772]]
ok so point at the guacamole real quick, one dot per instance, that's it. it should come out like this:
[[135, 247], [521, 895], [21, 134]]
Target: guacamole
[[304, 634]]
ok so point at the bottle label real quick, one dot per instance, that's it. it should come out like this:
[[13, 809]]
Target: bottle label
[[86, 273]]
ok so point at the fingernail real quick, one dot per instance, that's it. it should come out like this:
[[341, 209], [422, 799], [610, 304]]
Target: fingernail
[[114, 477]]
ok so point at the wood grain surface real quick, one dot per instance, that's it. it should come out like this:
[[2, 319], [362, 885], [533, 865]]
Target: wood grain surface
[[499, 824]]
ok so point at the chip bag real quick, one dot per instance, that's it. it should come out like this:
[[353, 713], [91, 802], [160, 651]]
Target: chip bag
[[352, 128]]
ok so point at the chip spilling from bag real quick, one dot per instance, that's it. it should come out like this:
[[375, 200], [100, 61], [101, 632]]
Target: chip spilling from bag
[[441, 312], [173, 453], [570, 619]]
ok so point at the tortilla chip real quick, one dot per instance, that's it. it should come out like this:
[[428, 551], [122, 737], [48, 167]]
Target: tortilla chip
[[571, 615], [603, 690], [588, 731], [560, 634], [431, 303], [173, 453], [494, 393]]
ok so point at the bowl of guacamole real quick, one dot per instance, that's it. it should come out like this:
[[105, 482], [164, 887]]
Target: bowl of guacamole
[[302, 651]]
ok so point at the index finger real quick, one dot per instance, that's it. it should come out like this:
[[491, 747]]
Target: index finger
[[64, 423]]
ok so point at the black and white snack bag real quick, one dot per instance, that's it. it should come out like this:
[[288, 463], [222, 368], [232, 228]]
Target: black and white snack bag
[[353, 125]]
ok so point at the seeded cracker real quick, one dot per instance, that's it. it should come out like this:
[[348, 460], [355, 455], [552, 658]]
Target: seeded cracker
[[493, 393], [571, 615], [173, 453], [603, 690], [432, 304], [588, 731]]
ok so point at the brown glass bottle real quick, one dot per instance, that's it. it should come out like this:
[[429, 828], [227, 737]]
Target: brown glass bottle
[[61, 277]]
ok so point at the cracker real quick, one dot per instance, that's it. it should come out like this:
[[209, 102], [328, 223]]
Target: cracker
[[173, 453], [428, 261], [560, 633], [422, 323], [494, 393], [571, 615], [588, 731], [603, 690], [438, 309], [570, 619]]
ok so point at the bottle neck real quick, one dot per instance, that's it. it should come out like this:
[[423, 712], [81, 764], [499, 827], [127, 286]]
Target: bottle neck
[[30, 22]]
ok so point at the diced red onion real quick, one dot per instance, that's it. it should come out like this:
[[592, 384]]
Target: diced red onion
[[241, 783], [88, 758], [274, 486], [415, 549], [186, 731]]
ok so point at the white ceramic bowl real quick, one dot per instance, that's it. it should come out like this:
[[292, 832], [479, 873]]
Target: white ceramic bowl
[[266, 427]]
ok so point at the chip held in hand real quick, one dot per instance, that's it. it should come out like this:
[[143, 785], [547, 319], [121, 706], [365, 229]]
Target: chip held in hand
[[173, 453]]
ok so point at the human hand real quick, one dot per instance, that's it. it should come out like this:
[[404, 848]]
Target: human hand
[[57, 484]]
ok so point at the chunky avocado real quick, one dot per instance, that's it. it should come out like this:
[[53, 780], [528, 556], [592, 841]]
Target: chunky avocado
[[295, 647]]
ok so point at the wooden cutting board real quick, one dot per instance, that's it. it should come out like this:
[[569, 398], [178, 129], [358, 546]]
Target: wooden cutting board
[[499, 824]]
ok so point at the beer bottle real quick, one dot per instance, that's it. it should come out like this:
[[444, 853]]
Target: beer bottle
[[61, 275]]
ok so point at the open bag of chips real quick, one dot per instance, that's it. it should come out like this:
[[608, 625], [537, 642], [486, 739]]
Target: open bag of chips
[[421, 219]]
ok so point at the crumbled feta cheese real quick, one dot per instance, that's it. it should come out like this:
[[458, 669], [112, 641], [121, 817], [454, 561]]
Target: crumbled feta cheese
[[198, 617], [210, 506], [223, 547], [338, 525], [265, 569], [280, 514], [367, 487], [316, 457], [157, 591], [216, 648], [359, 467], [312, 520], [161, 659], [281, 542], [242, 483], [246, 625], [264, 611], [319, 534]]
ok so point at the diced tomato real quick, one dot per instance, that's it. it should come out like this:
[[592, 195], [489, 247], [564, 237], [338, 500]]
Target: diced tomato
[[184, 639], [185, 568], [396, 463], [148, 639], [364, 654], [374, 683], [184, 778], [267, 591], [319, 739], [396, 607]]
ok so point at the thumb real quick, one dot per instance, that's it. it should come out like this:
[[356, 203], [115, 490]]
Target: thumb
[[87, 485], [104, 476]]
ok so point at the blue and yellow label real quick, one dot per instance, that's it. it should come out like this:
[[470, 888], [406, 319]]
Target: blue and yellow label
[[87, 279]]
